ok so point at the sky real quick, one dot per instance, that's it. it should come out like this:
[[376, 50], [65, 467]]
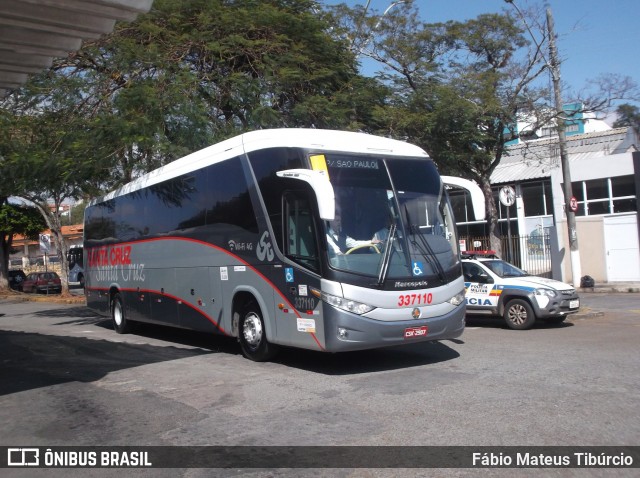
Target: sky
[[595, 37]]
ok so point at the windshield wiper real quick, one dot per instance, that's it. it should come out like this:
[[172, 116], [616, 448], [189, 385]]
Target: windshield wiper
[[425, 248], [386, 258]]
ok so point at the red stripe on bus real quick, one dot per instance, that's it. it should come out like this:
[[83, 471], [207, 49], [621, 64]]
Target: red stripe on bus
[[208, 244], [170, 296], [317, 341]]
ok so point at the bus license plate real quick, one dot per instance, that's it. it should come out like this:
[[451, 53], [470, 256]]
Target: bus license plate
[[413, 332], [574, 304]]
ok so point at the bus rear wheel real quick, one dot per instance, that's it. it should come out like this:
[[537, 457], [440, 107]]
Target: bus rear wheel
[[120, 323], [253, 337]]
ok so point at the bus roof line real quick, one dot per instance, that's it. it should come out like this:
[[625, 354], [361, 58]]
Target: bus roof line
[[345, 141]]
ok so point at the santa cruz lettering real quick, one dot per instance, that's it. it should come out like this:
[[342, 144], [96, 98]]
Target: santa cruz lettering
[[109, 256]]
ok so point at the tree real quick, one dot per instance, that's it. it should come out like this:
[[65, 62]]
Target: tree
[[50, 154], [178, 78], [458, 87], [16, 219], [628, 115], [188, 74]]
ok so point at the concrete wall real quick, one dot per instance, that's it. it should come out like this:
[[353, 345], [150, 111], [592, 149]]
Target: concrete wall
[[591, 245], [590, 229]]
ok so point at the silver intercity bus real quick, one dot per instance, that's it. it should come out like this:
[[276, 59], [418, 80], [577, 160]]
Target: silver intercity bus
[[323, 240]]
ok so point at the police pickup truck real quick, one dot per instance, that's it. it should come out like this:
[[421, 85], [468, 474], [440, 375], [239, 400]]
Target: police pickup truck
[[495, 287]]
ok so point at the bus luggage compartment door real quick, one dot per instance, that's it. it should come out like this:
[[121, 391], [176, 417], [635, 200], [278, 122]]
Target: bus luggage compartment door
[[200, 304]]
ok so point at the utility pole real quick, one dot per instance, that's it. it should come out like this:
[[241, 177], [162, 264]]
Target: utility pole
[[375, 28], [554, 66]]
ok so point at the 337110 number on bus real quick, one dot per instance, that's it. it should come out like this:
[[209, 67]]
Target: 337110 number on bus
[[406, 300]]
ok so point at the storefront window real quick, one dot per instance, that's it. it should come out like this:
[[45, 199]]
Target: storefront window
[[597, 189], [536, 198], [605, 196]]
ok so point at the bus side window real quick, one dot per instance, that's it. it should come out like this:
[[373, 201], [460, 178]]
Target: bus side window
[[301, 243]]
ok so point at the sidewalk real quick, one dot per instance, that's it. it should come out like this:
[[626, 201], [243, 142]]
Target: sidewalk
[[603, 288], [612, 287]]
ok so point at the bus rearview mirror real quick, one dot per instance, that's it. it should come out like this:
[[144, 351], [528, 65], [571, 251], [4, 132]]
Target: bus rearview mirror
[[321, 186]]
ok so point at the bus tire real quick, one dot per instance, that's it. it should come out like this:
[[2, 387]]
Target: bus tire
[[253, 337], [519, 315], [120, 323]]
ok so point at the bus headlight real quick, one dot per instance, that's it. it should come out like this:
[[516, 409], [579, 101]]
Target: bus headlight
[[457, 299], [345, 304]]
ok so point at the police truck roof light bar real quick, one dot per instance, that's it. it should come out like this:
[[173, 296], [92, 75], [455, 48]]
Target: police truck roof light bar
[[487, 254]]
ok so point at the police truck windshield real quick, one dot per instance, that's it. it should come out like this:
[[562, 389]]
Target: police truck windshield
[[504, 269]]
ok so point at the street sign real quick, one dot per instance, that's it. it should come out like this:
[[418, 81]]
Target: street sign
[[573, 204], [45, 243], [507, 196]]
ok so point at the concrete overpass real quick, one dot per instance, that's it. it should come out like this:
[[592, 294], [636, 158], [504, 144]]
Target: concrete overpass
[[34, 32]]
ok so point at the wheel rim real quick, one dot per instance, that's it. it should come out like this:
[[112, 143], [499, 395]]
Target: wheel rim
[[252, 329], [517, 314], [117, 314]]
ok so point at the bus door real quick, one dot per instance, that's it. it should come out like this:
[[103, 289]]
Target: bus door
[[300, 245]]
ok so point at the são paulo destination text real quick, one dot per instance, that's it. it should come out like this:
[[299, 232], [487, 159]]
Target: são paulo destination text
[[541, 460]]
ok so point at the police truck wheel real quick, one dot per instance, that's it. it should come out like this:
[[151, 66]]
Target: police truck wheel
[[519, 315], [253, 336], [120, 323]]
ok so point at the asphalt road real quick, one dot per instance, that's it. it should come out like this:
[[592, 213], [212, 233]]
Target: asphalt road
[[67, 379]]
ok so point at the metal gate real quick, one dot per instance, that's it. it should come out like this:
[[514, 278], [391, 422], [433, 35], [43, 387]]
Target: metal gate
[[531, 253]]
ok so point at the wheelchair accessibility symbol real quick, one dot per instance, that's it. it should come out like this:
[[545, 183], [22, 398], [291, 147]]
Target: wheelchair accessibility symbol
[[417, 268], [288, 274]]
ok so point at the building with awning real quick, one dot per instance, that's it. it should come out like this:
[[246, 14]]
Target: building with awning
[[605, 175], [27, 252]]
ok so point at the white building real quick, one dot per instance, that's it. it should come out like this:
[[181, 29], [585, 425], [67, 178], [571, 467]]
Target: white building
[[605, 175]]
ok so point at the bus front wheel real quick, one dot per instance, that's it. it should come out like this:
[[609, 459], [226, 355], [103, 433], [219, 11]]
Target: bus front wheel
[[120, 323], [253, 336]]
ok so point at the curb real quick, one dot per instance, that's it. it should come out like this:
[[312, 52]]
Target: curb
[[50, 299], [625, 288]]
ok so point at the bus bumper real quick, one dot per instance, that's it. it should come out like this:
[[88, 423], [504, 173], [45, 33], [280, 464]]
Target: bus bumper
[[345, 331]]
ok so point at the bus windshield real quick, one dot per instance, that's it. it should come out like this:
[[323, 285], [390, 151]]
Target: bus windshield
[[392, 220], [74, 257]]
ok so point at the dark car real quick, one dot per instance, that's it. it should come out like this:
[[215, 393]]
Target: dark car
[[16, 279], [48, 282]]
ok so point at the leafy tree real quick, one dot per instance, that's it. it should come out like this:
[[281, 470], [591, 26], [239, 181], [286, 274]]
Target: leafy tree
[[458, 87], [188, 74], [76, 213], [179, 78], [628, 115], [48, 166], [15, 219]]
